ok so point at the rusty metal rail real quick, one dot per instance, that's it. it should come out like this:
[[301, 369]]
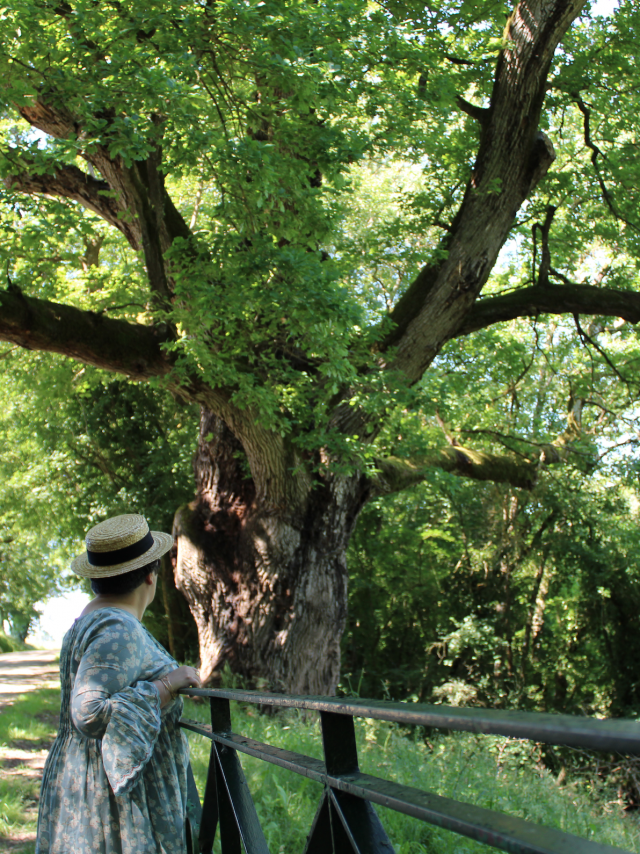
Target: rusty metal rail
[[346, 821]]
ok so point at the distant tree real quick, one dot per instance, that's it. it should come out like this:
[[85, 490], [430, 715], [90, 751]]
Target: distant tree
[[80, 444], [25, 577], [227, 146]]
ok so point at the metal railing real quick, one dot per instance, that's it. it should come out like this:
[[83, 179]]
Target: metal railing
[[346, 821]]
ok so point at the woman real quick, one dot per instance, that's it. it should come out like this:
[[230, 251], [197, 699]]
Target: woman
[[115, 778]]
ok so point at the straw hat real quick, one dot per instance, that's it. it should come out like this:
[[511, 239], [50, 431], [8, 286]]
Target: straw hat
[[119, 545]]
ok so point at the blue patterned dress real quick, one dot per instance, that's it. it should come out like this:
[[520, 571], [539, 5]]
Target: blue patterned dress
[[115, 778]]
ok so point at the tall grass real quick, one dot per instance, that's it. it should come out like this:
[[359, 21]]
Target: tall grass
[[497, 773]]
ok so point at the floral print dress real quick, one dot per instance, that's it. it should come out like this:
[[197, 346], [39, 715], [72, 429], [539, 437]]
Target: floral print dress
[[115, 778]]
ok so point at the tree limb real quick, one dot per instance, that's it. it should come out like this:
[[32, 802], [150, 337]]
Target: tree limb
[[545, 253], [512, 158], [115, 345], [395, 474], [595, 153], [69, 182], [480, 114], [551, 299], [138, 189]]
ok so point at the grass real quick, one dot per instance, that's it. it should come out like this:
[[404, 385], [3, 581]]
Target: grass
[[32, 720], [18, 814], [29, 725], [497, 773]]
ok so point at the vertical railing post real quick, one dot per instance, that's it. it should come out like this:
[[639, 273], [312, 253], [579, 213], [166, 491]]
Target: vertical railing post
[[355, 826], [229, 833], [341, 757], [339, 743]]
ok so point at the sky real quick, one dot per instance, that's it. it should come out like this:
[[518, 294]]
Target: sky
[[604, 7], [58, 614]]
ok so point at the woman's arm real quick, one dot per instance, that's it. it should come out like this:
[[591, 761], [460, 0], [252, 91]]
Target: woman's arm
[[112, 660], [110, 701]]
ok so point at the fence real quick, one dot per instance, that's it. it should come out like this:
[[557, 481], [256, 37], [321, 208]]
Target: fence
[[346, 821]]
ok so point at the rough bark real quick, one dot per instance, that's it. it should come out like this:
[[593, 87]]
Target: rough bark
[[267, 586]]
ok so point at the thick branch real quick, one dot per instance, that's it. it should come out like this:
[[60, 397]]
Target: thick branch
[[545, 253], [552, 299], [152, 219], [72, 183], [512, 158], [114, 345], [136, 351], [395, 474]]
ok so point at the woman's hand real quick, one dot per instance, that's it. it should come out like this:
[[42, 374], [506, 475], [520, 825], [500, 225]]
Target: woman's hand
[[184, 677], [181, 677]]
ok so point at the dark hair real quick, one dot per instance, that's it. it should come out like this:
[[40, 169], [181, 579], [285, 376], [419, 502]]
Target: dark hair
[[118, 585]]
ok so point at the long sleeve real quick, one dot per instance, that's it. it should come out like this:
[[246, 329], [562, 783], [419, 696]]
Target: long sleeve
[[109, 702]]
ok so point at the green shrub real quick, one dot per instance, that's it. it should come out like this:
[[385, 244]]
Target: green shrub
[[11, 644]]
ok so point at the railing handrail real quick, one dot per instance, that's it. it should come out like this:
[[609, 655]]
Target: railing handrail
[[612, 735], [346, 822]]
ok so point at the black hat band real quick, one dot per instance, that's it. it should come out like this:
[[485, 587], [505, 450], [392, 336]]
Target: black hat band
[[121, 555]]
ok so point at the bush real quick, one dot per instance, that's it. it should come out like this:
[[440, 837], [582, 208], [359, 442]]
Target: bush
[[11, 644]]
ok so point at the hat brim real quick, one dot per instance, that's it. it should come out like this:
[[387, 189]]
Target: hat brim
[[162, 543]]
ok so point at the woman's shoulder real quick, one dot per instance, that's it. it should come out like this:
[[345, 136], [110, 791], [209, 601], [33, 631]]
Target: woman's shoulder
[[109, 616], [109, 625]]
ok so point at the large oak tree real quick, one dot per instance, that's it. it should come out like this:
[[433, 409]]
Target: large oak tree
[[222, 141]]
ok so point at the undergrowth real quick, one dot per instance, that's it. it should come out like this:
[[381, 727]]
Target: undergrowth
[[493, 772], [11, 644]]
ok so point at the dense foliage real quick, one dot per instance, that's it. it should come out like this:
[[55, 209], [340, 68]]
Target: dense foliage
[[318, 153], [493, 597], [489, 594], [78, 446]]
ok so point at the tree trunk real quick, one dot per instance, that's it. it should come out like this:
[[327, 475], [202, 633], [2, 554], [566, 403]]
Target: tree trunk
[[182, 638], [267, 585]]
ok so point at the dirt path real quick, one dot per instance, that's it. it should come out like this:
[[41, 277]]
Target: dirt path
[[21, 673]]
